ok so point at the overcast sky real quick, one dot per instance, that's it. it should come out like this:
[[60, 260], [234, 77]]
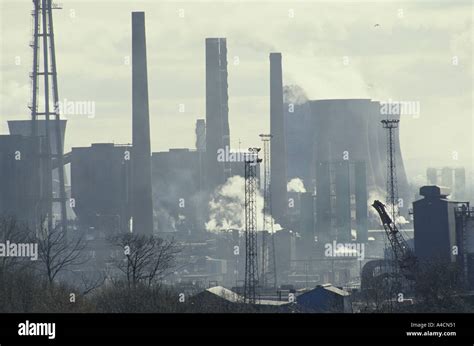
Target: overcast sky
[[407, 57]]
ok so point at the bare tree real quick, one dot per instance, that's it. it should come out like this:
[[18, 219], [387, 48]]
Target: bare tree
[[145, 259], [90, 283], [58, 252], [438, 286]]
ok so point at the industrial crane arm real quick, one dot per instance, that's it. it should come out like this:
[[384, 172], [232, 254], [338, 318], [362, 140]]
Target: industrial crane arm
[[402, 252]]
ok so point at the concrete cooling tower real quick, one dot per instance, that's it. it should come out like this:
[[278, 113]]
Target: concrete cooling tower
[[341, 132], [342, 129]]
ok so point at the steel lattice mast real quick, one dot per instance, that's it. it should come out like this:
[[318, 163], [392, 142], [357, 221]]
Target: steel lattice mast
[[251, 259], [392, 190], [268, 258], [43, 31]]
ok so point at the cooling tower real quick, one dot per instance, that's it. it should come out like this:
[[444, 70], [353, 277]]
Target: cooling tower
[[217, 111], [360, 173], [323, 202], [351, 129], [278, 177], [307, 216], [342, 132], [343, 201], [378, 149], [23, 127], [142, 209]]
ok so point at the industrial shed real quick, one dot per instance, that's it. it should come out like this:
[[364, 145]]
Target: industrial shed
[[221, 299], [325, 298]]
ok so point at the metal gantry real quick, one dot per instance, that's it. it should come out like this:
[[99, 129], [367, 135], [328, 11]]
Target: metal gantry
[[43, 34], [268, 257], [251, 253], [392, 190]]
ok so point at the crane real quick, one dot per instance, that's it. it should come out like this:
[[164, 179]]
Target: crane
[[404, 256]]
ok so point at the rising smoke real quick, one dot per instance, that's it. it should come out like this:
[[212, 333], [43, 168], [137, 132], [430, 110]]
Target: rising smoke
[[294, 94], [227, 207], [381, 196], [295, 185]]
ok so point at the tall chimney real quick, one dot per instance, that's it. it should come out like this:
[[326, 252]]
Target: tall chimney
[[141, 161], [278, 178], [217, 111]]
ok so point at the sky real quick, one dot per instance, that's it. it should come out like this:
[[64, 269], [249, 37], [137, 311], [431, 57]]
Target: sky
[[416, 51]]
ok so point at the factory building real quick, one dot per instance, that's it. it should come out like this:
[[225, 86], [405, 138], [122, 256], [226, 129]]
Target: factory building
[[24, 128], [434, 225], [180, 197], [444, 230], [24, 178], [176, 178], [217, 112], [465, 230], [101, 186], [325, 298], [101, 190]]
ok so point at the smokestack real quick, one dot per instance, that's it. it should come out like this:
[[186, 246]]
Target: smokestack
[[141, 161], [217, 111], [278, 178], [201, 135]]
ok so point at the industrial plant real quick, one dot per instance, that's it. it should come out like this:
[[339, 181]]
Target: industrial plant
[[317, 213]]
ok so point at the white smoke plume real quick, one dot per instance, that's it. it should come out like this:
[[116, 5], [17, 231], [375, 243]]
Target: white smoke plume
[[294, 94], [295, 185], [227, 207], [164, 220]]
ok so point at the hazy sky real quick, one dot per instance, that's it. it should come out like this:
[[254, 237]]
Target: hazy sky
[[407, 57]]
